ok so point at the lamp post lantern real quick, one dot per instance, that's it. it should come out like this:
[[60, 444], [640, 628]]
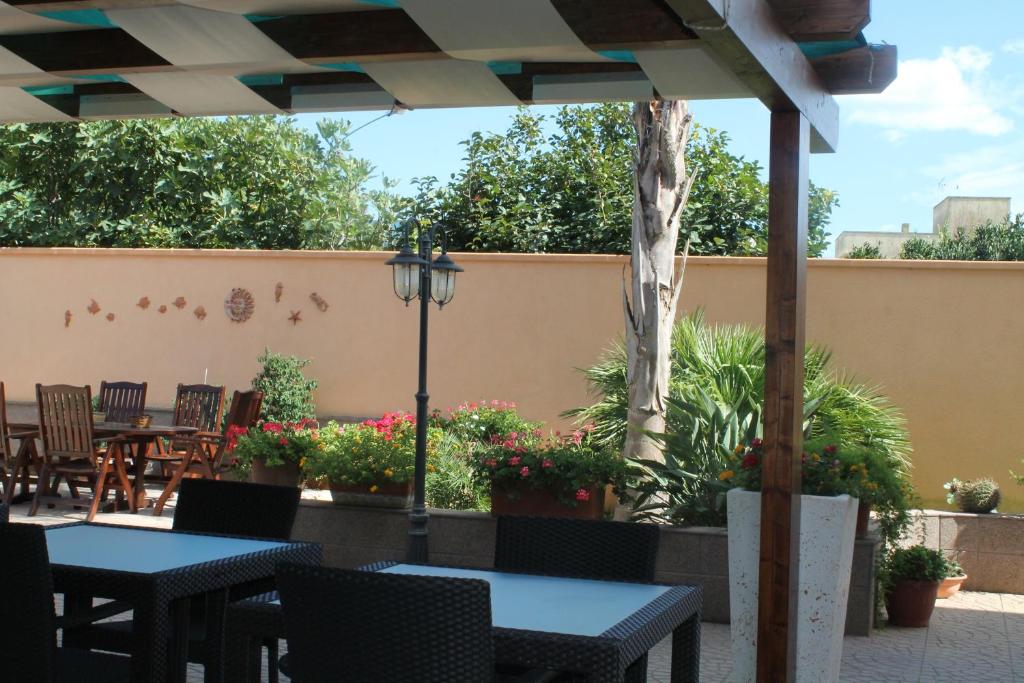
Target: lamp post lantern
[[426, 277]]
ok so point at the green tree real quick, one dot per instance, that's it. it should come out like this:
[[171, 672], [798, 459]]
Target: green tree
[[240, 182], [571, 191], [989, 242]]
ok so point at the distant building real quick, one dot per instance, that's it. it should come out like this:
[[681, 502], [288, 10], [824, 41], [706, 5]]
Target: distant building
[[952, 214]]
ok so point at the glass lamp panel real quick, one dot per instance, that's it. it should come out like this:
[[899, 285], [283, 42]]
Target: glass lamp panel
[[442, 286], [407, 281]]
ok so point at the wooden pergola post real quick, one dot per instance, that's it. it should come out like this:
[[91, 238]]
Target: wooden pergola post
[[783, 410]]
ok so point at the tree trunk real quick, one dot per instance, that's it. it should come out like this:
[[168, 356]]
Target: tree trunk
[[661, 188]]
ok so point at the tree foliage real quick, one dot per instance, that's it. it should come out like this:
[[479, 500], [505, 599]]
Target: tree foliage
[[989, 242], [240, 182], [866, 250], [571, 190]]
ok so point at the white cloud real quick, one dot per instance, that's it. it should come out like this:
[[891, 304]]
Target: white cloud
[[954, 91], [985, 172], [1014, 47]]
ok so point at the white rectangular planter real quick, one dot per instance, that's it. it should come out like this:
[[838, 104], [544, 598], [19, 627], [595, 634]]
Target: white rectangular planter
[[827, 528]]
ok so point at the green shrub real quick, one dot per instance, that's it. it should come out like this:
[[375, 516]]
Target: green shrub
[[287, 393], [916, 563], [369, 454], [1002, 241], [478, 422], [865, 251], [451, 482]]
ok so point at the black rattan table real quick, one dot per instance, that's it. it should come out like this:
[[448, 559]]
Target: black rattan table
[[594, 628], [157, 572]]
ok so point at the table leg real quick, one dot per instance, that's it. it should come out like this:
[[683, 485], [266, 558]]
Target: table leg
[[21, 466], [242, 653], [181, 615], [74, 606], [154, 624], [686, 651], [142, 448], [213, 647]]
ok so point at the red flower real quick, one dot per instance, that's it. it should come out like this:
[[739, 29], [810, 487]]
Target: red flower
[[756, 443], [514, 460], [282, 441], [547, 463], [525, 472], [492, 463], [275, 427], [830, 450], [583, 495], [750, 460]]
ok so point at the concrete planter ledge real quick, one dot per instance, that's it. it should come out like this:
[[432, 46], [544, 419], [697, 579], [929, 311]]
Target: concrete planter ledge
[[989, 547], [352, 536]]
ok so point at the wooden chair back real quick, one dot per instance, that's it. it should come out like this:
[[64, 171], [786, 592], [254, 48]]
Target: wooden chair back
[[200, 406], [245, 409], [122, 401], [65, 421], [6, 454]]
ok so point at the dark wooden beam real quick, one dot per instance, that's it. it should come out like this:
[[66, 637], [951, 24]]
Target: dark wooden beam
[[624, 24], [807, 20], [94, 51], [783, 398], [747, 38], [863, 70]]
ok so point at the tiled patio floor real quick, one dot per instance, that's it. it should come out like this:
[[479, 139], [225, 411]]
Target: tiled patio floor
[[976, 637]]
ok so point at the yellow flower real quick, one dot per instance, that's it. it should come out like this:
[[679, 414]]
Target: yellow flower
[[815, 457], [302, 462], [726, 475], [431, 468], [374, 488], [388, 472], [738, 450]]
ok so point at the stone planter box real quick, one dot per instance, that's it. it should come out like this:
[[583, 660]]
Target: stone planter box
[[990, 547], [353, 536]]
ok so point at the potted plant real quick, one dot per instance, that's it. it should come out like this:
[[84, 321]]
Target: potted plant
[[97, 412], [370, 463], [554, 476], [828, 519], [912, 578], [978, 496], [274, 453], [955, 577]]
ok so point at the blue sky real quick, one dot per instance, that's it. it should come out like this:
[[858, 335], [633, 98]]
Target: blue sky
[[950, 124]]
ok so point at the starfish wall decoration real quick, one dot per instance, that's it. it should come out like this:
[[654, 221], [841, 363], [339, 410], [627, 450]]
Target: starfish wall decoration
[[295, 317]]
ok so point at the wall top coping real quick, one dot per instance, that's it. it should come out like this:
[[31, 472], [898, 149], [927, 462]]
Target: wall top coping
[[882, 264]]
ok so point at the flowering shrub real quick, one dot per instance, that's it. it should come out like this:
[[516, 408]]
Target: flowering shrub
[[369, 454], [480, 421], [568, 466], [274, 443]]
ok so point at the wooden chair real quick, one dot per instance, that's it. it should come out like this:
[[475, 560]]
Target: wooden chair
[[70, 451], [206, 453], [122, 401], [195, 405], [15, 465]]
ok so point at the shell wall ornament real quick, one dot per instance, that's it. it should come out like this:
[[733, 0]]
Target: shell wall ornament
[[319, 301], [162, 309], [199, 313], [278, 291], [67, 318], [93, 307], [110, 317], [239, 305], [180, 303], [143, 303]]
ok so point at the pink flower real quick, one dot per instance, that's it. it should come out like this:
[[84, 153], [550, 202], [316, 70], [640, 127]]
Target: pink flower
[[387, 437], [492, 463], [547, 463], [494, 402], [583, 495], [514, 460], [511, 404], [282, 441], [756, 443], [525, 472], [538, 433], [577, 437]]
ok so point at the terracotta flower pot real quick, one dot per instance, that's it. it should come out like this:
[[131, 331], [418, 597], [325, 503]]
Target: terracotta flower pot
[[542, 503], [398, 496], [863, 517], [911, 603], [951, 586], [287, 474]]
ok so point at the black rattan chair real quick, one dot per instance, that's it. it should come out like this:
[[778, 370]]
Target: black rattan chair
[[28, 649], [584, 549], [364, 627], [213, 506]]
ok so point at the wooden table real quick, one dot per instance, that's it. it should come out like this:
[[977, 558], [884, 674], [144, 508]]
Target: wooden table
[[158, 572], [143, 437]]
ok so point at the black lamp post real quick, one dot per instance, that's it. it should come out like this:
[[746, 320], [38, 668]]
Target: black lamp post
[[423, 276]]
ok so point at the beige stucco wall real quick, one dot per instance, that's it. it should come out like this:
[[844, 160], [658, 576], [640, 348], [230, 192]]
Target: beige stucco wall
[[946, 340]]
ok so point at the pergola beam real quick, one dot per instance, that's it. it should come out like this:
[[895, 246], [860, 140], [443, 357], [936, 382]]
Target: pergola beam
[[750, 42], [813, 20], [863, 70]]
